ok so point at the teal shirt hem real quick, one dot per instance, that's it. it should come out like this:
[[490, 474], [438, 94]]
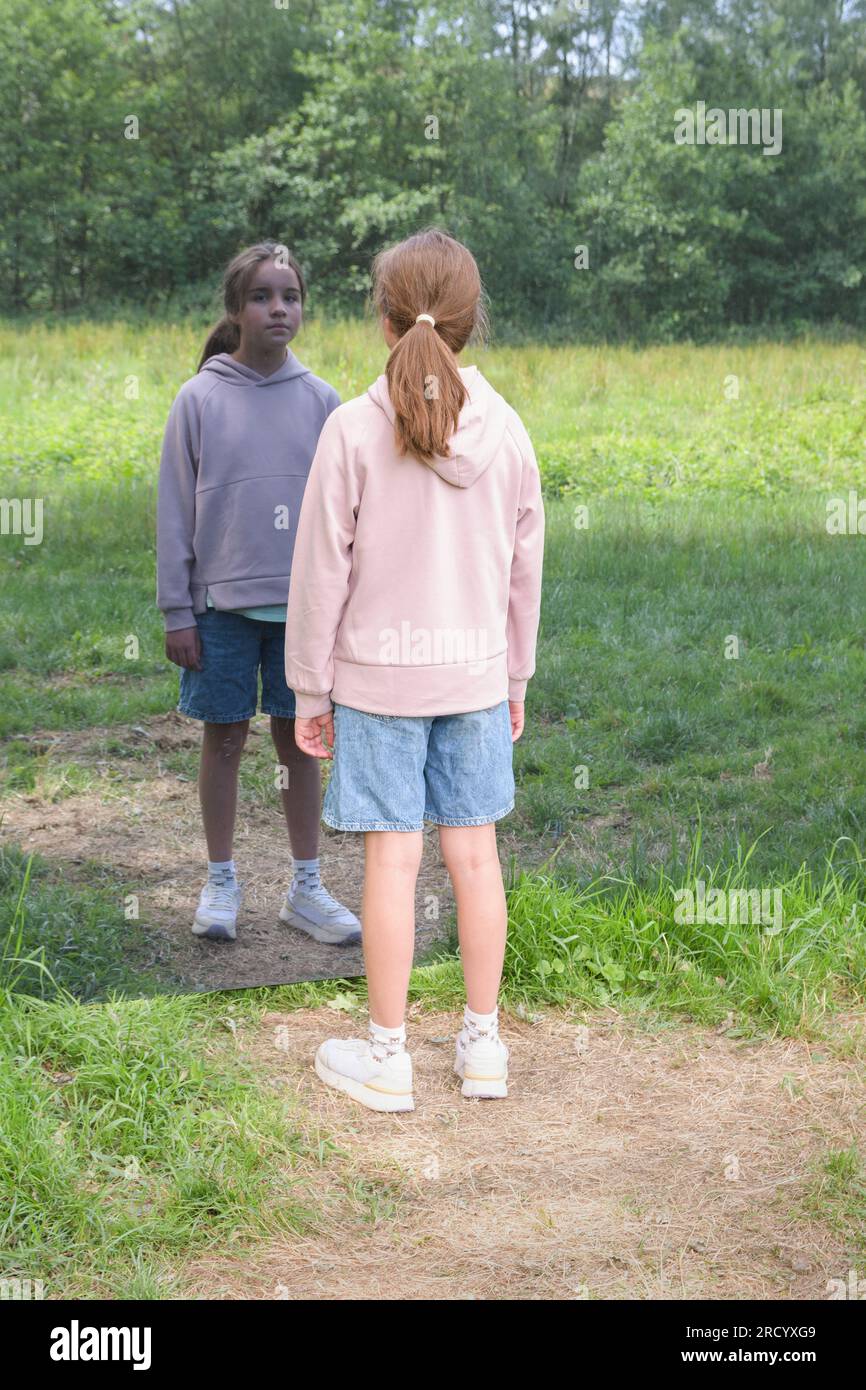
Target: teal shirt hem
[[270, 613]]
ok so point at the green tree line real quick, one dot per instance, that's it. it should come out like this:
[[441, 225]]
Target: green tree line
[[143, 141]]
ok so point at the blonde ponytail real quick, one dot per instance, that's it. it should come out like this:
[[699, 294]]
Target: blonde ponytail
[[434, 275]]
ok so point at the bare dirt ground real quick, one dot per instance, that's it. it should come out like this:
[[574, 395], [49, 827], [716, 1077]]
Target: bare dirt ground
[[622, 1165], [152, 837]]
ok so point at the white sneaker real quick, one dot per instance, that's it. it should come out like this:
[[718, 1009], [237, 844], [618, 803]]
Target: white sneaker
[[217, 911], [349, 1065], [320, 916], [482, 1064]]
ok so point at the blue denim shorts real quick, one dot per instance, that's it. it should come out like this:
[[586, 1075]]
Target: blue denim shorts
[[393, 772], [233, 650]]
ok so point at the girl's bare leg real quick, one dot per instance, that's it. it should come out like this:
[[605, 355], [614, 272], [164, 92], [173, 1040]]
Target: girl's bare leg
[[302, 798], [221, 748], [391, 862], [472, 861]]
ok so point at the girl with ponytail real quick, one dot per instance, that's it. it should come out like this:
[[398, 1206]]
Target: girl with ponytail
[[410, 639], [424, 382], [238, 446]]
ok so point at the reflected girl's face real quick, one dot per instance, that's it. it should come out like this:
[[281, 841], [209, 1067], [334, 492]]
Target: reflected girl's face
[[272, 311]]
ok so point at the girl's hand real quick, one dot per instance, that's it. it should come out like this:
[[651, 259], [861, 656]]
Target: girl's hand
[[516, 712], [183, 647], [309, 734]]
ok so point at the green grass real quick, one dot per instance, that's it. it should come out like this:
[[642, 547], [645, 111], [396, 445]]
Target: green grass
[[135, 1137], [633, 684], [610, 942], [58, 938], [758, 419], [632, 679], [614, 943], [837, 1196]]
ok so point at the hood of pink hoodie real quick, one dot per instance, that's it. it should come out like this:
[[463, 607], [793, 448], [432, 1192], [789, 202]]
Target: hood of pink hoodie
[[480, 428]]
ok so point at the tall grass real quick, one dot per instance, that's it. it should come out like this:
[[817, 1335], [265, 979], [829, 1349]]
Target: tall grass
[[132, 1136], [15, 966], [66, 942], [615, 942], [758, 419]]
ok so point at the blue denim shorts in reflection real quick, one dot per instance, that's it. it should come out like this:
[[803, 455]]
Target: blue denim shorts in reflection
[[233, 649], [393, 772]]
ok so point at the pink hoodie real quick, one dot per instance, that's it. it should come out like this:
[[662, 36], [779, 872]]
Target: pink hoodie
[[416, 588]]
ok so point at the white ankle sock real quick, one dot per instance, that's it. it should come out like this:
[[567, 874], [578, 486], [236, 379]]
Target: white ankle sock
[[221, 871], [387, 1040], [481, 1023], [306, 874]]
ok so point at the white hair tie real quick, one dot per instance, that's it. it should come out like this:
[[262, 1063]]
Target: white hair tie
[[427, 318]]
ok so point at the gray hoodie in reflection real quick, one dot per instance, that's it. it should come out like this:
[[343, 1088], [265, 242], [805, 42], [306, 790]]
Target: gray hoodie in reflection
[[235, 458]]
